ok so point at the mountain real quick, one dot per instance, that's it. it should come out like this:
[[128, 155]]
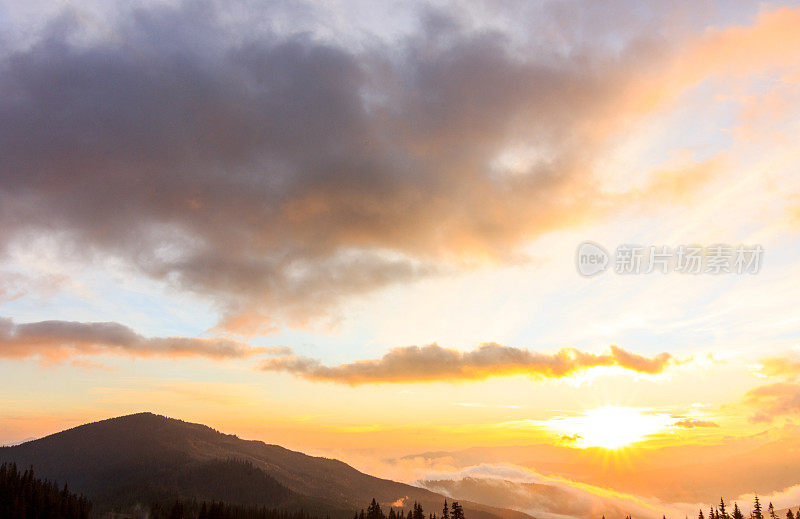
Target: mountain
[[137, 458], [781, 514]]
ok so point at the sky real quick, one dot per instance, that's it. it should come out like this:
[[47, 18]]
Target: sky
[[350, 228]]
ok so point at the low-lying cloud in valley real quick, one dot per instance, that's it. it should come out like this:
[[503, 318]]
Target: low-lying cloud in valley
[[548, 497]]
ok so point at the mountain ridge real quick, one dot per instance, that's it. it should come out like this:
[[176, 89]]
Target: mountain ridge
[[155, 455]]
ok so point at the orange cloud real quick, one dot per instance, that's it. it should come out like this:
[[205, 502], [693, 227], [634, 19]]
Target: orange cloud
[[691, 423], [55, 340], [776, 399], [434, 363], [788, 366], [772, 42]]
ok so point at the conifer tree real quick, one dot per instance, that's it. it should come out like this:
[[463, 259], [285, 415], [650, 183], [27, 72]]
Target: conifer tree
[[789, 514], [374, 510], [445, 511], [757, 514], [771, 511], [737, 514], [700, 515], [22, 495], [456, 512]]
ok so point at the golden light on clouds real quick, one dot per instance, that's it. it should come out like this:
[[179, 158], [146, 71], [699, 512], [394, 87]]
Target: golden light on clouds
[[355, 237]]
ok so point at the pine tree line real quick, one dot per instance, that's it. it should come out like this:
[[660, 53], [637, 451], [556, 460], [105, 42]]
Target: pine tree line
[[454, 511], [192, 509], [23, 496], [721, 512]]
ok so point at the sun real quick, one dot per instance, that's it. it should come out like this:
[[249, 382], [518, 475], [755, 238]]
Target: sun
[[610, 427]]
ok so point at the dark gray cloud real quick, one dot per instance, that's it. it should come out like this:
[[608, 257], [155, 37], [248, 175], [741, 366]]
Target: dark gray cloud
[[279, 173], [433, 363], [55, 340]]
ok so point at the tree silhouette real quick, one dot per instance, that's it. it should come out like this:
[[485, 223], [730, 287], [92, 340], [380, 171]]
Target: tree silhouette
[[757, 514], [722, 513], [374, 510], [23, 496]]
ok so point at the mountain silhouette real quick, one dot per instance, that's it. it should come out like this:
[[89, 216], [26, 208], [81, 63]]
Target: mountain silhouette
[[140, 458]]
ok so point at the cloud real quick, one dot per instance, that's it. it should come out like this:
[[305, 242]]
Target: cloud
[[570, 439], [772, 401], [400, 503], [279, 174], [691, 423], [786, 366], [55, 340], [632, 361], [433, 363], [776, 399], [783, 498], [14, 286], [542, 495]]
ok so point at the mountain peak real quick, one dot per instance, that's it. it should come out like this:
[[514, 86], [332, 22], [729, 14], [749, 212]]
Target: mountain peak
[[123, 457]]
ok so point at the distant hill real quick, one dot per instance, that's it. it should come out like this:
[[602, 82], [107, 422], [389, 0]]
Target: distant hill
[[781, 514], [137, 458]]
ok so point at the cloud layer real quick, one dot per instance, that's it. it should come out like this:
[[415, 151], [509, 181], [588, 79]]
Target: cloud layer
[[55, 340], [539, 495], [434, 363], [279, 173]]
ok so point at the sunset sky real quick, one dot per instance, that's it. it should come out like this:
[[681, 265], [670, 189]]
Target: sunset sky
[[349, 228]]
